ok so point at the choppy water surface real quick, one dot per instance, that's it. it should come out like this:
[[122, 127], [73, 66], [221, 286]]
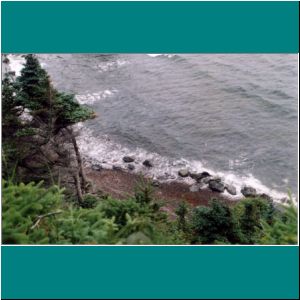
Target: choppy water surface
[[235, 115]]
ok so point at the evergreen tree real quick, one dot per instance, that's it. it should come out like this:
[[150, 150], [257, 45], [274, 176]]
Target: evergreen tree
[[10, 109], [34, 85], [215, 224]]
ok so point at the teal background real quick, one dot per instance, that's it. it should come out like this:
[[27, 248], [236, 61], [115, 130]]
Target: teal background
[[153, 27], [150, 272]]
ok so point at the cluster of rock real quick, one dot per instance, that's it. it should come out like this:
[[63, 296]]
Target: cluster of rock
[[205, 180], [128, 160]]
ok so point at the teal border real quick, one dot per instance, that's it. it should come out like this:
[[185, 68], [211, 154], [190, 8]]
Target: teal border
[[153, 27], [150, 272]]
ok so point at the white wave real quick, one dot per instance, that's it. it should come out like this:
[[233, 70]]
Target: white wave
[[90, 98], [108, 66], [154, 55], [16, 63], [166, 55], [104, 151]]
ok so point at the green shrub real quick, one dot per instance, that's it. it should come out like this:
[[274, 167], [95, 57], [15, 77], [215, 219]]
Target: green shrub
[[250, 214], [283, 230], [25, 205], [182, 211], [214, 224]]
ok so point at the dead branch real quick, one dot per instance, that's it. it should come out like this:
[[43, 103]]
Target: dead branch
[[39, 218]]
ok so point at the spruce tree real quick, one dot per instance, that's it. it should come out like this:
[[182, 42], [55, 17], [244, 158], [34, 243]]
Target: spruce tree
[[34, 85]]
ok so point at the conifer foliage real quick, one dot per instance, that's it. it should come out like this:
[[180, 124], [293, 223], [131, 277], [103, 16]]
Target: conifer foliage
[[40, 155]]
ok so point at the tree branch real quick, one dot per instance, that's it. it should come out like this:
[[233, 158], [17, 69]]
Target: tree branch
[[39, 218]]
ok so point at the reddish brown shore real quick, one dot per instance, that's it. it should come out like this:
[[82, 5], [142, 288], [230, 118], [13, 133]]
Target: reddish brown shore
[[121, 184]]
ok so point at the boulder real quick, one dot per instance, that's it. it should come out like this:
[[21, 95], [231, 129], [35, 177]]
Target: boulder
[[117, 168], [128, 159], [155, 183], [216, 186], [205, 174], [148, 163], [196, 176], [266, 197], [199, 176], [206, 180], [230, 189], [96, 167], [248, 191], [183, 172], [130, 167]]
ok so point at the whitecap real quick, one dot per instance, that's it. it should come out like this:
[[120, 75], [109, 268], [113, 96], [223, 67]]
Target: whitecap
[[108, 153], [91, 98]]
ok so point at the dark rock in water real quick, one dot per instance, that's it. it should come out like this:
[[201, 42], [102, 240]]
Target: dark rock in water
[[148, 163], [155, 183], [96, 167], [266, 197], [217, 178], [248, 191], [205, 174], [128, 159], [183, 172], [130, 167], [199, 176], [206, 180], [196, 176], [216, 186], [230, 189], [117, 168]]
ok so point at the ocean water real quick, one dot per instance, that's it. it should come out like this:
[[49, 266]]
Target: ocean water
[[234, 115]]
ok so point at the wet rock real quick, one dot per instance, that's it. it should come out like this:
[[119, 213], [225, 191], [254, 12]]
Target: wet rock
[[117, 168], [155, 183], [130, 167], [216, 186], [96, 167], [199, 176], [217, 178], [248, 191], [183, 172], [230, 189], [266, 197], [148, 163], [196, 176], [205, 174], [128, 159], [206, 180]]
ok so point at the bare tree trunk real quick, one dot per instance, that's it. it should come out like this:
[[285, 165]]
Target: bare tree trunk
[[78, 187], [78, 157]]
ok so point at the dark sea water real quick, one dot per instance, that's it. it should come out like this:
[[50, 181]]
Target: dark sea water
[[233, 114]]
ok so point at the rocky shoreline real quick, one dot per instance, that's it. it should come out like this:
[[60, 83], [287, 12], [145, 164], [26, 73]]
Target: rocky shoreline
[[201, 180], [120, 182]]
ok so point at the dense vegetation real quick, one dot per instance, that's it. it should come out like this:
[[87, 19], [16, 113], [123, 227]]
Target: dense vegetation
[[46, 198]]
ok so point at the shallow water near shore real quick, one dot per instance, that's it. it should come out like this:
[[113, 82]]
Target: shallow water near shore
[[234, 115]]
